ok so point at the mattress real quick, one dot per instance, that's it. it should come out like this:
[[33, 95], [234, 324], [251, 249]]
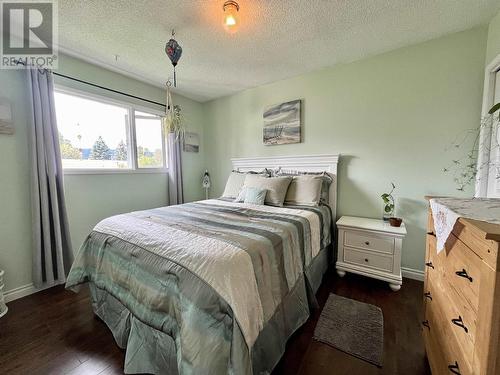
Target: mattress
[[223, 283]]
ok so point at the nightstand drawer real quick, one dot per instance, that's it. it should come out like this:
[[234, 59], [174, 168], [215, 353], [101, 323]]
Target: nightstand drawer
[[368, 259], [369, 241]]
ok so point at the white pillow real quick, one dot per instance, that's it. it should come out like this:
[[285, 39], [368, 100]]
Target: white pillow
[[276, 187], [236, 180], [234, 184], [304, 190]]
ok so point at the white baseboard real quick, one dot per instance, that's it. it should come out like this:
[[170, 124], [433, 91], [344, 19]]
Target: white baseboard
[[413, 274], [21, 291]]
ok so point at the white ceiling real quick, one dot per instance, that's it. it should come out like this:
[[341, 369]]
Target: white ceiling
[[277, 39]]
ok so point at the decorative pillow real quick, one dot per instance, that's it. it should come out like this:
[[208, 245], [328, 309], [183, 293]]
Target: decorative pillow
[[241, 196], [236, 180], [326, 178], [304, 190], [234, 184], [276, 187], [252, 195]]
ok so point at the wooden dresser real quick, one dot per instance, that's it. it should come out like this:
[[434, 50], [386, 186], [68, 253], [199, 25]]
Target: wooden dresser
[[461, 324]]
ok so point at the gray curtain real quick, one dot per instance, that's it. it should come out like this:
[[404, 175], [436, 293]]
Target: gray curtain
[[175, 193], [52, 253]]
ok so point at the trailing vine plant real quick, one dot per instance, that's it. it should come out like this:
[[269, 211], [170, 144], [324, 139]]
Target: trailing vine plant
[[388, 200], [465, 169], [173, 120]]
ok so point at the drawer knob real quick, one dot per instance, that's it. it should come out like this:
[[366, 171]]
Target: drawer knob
[[429, 264], [464, 274], [454, 369], [367, 243], [459, 322], [428, 295], [426, 324]]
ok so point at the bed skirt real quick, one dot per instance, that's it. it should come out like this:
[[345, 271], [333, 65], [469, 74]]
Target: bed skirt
[[151, 351]]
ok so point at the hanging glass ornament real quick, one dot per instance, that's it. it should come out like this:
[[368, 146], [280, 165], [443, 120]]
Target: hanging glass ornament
[[174, 53]]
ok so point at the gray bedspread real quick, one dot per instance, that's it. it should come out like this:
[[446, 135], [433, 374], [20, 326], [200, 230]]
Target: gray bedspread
[[211, 287]]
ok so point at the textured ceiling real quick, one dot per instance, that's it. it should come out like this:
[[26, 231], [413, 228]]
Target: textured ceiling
[[277, 39]]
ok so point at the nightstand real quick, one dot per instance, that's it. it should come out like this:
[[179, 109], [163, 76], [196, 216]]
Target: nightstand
[[370, 247]]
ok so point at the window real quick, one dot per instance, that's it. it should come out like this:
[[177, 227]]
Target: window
[[149, 139], [103, 135]]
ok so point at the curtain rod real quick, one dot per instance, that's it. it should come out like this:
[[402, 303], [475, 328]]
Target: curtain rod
[[108, 89]]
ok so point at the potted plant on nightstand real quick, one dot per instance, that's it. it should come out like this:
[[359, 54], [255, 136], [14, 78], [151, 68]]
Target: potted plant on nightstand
[[389, 206]]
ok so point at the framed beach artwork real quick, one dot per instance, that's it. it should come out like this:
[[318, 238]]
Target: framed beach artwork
[[191, 142], [282, 123]]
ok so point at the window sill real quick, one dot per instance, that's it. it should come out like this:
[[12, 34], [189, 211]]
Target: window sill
[[114, 171]]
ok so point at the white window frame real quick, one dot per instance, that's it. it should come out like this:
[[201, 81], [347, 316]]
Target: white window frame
[[482, 183], [131, 134]]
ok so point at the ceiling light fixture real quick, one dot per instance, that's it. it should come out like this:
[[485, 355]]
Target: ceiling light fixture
[[231, 19]]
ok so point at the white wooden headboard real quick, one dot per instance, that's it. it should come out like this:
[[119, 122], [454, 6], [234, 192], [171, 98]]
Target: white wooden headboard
[[308, 163]]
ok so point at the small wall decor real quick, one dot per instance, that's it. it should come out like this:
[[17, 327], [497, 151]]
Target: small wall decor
[[6, 123], [282, 123], [191, 142]]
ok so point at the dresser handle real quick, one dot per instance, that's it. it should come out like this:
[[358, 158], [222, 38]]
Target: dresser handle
[[459, 322], [367, 243], [428, 295], [454, 368], [464, 274], [425, 323], [429, 264]]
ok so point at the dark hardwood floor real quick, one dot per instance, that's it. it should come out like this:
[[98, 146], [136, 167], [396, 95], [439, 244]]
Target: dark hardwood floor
[[55, 332]]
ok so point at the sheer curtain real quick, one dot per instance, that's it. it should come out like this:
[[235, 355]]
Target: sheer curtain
[[175, 187], [52, 253]]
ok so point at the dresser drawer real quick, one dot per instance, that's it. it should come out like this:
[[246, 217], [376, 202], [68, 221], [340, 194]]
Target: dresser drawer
[[369, 241], [439, 362], [461, 269], [440, 335], [368, 259], [458, 320], [431, 259]]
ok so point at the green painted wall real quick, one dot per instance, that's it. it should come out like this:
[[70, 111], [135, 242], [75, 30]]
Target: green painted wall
[[493, 46], [15, 214], [390, 117], [90, 198]]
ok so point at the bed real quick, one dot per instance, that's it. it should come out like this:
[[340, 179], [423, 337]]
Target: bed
[[209, 287]]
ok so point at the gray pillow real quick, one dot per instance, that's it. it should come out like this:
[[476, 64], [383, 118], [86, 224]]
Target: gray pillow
[[276, 187], [304, 190]]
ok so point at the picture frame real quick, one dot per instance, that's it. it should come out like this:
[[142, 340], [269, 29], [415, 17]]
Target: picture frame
[[282, 123]]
